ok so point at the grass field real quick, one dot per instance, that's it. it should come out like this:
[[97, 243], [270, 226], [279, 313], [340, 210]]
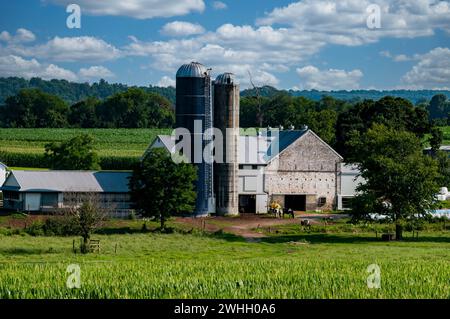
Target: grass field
[[298, 265], [108, 142]]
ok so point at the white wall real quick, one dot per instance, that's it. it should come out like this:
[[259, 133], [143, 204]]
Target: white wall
[[2, 174], [350, 179]]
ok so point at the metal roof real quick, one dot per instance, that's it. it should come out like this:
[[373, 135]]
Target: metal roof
[[253, 149], [69, 181], [192, 70], [226, 78]]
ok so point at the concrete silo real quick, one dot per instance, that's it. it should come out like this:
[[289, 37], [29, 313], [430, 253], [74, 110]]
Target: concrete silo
[[194, 108], [226, 119]]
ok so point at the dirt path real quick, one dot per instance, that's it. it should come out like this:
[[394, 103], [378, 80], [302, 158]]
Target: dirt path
[[246, 226]]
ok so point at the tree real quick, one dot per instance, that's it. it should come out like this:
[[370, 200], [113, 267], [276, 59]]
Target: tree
[[161, 188], [444, 168], [435, 139], [85, 212], [74, 154], [33, 108], [396, 113], [400, 179], [83, 114], [438, 107]]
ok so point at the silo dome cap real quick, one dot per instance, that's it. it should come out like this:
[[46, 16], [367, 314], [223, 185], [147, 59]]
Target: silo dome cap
[[226, 78], [192, 70]]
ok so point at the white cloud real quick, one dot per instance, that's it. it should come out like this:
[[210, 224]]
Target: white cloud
[[399, 57], [71, 49], [181, 28], [166, 81], [431, 72], [139, 9], [22, 35], [219, 5], [12, 65], [95, 72], [345, 22], [331, 79]]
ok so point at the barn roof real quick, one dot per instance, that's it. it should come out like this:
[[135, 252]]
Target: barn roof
[[67, 181], [259, 149]]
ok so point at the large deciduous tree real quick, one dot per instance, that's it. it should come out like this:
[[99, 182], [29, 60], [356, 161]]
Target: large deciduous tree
[[400, 179], [396, 113], [161, 187]]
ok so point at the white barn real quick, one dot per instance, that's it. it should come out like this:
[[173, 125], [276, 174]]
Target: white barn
[[296, 168]]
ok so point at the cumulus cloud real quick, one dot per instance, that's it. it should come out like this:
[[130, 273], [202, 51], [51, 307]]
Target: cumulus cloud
[[181, 28], [22, 36], [139, 9], [331, 79], [71, 49], [345, 22], [12, 65], [166, 81], [219, 5], [238, 49], [95, 72], [431, 72]]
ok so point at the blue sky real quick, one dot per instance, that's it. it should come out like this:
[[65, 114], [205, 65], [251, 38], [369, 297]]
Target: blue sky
[[309, 44]]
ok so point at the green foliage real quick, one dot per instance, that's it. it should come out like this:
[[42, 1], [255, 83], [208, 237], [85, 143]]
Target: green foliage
[[391, 112], [444, 168], [74, 92], [436, 139], [161, 188], [74, 154], [439, 107], [34, 108], [133, 108], [400, 180], [283, 109]]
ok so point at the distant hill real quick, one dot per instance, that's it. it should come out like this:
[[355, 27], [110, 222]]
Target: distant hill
[[355, 95], [73, 92]]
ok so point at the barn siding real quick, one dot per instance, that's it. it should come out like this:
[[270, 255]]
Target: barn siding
[[307, 167]]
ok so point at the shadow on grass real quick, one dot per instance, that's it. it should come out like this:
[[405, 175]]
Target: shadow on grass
[[347, 239], [226, 236], [120, 231], [27, 251]]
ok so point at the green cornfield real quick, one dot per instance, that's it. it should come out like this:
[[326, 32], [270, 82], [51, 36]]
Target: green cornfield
[[116, 147], [195, 266]]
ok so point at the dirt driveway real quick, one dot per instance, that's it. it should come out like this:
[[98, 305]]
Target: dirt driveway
[[246, 225]]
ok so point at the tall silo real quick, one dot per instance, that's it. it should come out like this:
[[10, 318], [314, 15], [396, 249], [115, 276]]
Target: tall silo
[[194, 105], [226, 119]]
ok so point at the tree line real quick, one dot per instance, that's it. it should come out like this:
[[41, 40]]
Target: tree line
[[72, 92], [133, 108]]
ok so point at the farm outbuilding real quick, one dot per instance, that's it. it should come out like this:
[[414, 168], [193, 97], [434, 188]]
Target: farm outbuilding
[[48, 191]]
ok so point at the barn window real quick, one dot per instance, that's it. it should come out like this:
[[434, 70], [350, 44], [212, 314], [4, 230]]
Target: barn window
[[322, 201]]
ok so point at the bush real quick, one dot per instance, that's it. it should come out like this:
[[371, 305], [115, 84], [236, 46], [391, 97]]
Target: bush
[[35, 229], [53, 226]]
